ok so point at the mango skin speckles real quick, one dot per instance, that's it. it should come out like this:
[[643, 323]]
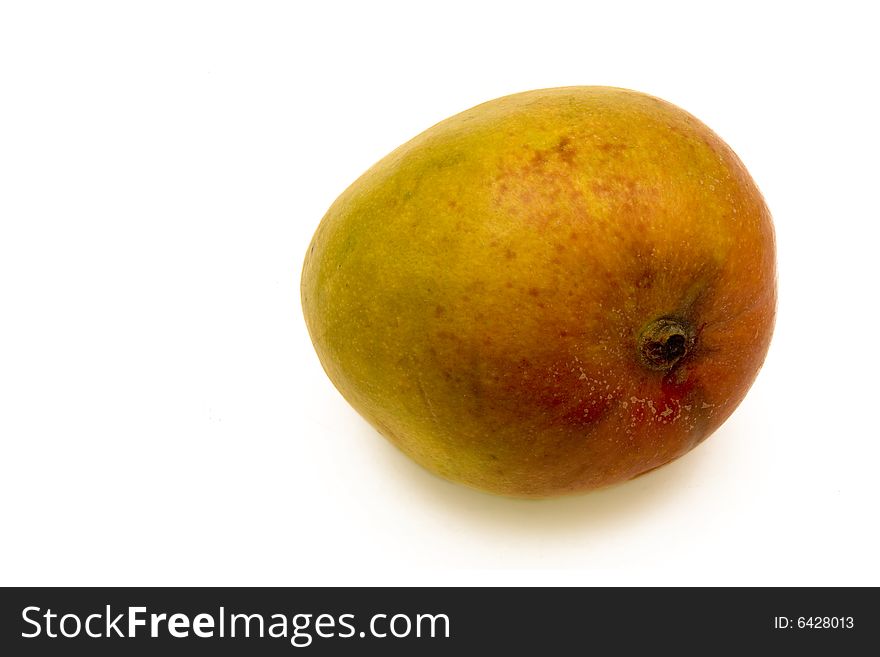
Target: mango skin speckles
[[478, 294]]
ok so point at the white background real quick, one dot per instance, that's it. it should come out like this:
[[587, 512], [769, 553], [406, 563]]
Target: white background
[[163, 417]]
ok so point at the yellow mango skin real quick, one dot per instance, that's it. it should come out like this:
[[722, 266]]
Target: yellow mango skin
[[478, 294]]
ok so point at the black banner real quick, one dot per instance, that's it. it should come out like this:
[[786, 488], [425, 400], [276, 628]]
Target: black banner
[[434, 621]]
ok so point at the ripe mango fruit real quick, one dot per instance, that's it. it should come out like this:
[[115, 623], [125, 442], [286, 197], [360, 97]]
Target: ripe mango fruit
[[548, 293]]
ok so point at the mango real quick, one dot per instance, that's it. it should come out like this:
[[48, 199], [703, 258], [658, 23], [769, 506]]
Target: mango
[[548, 293]]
